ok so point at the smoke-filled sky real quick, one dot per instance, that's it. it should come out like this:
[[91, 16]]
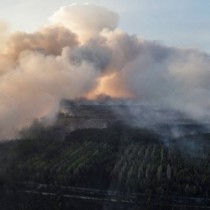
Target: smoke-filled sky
[[183, 23], [84, 52]]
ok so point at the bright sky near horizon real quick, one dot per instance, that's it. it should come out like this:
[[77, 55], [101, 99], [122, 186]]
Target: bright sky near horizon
[[178, 23]]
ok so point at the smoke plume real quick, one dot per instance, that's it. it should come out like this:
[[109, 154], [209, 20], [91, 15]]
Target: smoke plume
[[83, 53]]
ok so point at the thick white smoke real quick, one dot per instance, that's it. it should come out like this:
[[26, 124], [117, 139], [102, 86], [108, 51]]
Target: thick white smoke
[[83, 53], [86, 20]]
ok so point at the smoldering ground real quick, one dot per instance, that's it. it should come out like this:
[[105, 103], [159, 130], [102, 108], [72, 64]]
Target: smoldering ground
[[83, 53]]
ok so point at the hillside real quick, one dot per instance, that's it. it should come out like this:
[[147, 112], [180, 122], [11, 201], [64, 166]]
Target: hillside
[[115, 157]]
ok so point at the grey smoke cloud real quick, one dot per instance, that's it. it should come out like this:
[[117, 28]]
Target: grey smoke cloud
[[36, 86], [50, 40], [83, 54]]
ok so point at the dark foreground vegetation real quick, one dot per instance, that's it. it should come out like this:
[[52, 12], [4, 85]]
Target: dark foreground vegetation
[[111, 168]]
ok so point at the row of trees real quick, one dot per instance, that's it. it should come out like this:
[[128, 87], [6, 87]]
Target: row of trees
[[116, 158]]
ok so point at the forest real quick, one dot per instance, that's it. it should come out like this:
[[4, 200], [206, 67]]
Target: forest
[[133, 164]]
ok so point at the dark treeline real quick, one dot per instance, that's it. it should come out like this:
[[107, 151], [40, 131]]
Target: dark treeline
[[118, 158]]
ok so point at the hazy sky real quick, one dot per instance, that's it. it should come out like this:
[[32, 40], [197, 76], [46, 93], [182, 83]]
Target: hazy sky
[[180, 23]]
